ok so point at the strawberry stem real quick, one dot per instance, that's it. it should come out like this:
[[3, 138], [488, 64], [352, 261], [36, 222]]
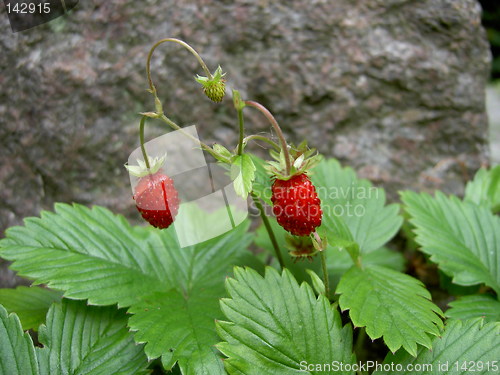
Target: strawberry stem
[[182, 43], [261, 138], [277, 128], [141, 137], [204, 146], [325, 273], [269, 229], [241, 126]]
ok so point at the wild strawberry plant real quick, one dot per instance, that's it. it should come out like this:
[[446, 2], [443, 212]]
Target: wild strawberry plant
[[109, 297]]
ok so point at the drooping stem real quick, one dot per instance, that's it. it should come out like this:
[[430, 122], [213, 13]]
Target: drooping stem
[[204, 146], [182, 43], [277, 128], [141, 137], [325, 274], [242, 130], [261, 138], [269, 229]]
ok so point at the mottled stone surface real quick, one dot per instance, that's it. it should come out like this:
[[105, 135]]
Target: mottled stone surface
[[394, 88]]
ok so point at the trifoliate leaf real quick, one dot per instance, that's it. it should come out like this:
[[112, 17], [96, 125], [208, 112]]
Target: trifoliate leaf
[[29, 304], [391, 305], [461, 237], [95, 255], [277, 327], [475, 306], [465, 347]]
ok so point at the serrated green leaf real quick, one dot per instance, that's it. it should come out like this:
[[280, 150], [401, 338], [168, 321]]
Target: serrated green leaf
[[470, 343], [339, 261], [352, 203], [81, 339], [95, 255], [390, 304], [29, 303], [476, 306], [180, 321], [275, 325], [243, 174], [17, 354], [89, 253], [461, 237], [484, 189], [180, 326]]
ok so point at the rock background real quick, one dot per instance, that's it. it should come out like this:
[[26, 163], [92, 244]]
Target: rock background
[[394, 88]]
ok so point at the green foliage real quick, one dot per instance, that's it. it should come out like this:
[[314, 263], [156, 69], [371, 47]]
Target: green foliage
[[461, 237], [390, 304], [77, 339], [484, 189], [262, 183], [17, 354], [29, 304], [355, 218], [353, 210], [95, 255], [476, 306], [471, 345], [243, 174], [275, 324], [339, 261]]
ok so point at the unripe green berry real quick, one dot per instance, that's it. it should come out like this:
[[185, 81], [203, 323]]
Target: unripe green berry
[[214, 87]]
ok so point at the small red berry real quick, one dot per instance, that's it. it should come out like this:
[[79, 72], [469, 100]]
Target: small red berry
[[157, 199], [296, 205]]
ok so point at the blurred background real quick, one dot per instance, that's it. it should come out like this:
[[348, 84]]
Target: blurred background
[[491, 21], [394, 88]]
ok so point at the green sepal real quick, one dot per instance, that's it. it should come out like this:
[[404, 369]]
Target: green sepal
[[142, 170], [216, 78], [302, 160]]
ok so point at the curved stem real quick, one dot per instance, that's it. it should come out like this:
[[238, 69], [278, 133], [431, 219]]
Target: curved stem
[[242, 130], [141, 137], [204, 146], [182, 43], [277, 128], [269, 229], [262, 138]]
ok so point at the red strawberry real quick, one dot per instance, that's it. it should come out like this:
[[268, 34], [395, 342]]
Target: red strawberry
[[157, 199], [296, 205]]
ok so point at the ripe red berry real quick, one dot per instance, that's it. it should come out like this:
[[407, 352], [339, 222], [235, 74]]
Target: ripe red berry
[[296, 205], [157, 199]]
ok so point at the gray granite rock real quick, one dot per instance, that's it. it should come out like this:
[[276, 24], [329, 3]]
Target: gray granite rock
[[394, 88]]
